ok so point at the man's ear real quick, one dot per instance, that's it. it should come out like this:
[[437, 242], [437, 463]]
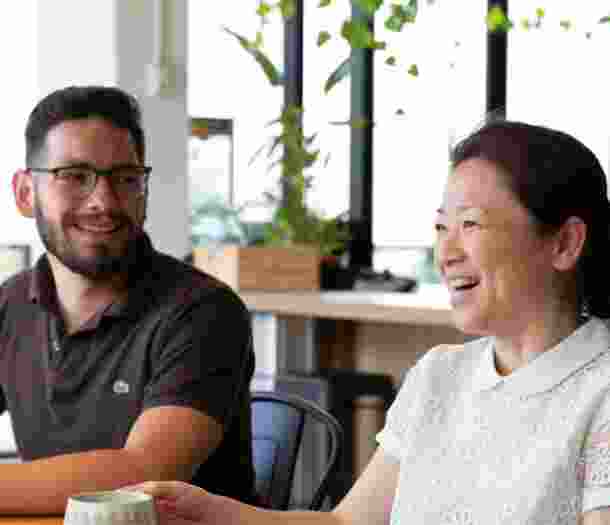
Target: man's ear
[[23, 190], [570, 240]]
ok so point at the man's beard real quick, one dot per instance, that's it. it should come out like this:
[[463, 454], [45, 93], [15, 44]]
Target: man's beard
[[98, 268]]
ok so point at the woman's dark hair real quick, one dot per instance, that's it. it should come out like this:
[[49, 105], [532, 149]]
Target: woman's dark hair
[[80, 102], [554, 176]]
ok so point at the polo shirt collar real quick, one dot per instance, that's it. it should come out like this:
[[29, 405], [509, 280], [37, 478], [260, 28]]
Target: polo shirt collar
[[42, 284], [550, 368]]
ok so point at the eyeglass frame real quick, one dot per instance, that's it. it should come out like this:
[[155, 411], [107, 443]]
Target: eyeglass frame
[[97, 174]]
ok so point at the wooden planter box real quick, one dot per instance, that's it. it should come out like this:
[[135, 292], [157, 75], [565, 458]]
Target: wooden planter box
[[261, 267]]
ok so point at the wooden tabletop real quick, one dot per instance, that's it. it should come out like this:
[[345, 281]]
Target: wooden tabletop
[[31, 520]]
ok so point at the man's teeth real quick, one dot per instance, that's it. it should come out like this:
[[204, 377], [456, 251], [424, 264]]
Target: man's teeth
[[98, 229]]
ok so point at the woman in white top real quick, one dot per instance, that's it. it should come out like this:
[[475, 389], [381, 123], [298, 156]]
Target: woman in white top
[[513, 427]]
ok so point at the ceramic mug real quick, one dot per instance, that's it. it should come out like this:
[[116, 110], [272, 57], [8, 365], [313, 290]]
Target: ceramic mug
[[118, 507]]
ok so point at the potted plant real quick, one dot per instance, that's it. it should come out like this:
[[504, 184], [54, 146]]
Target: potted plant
[[299, 249]]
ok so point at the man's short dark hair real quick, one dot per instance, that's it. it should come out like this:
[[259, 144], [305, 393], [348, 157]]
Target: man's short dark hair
[[79, 102]]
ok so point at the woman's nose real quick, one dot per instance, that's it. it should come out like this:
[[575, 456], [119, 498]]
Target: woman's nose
[[448, 249]]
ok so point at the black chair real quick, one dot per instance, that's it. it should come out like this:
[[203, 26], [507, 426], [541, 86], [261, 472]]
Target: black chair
[[278, 422]]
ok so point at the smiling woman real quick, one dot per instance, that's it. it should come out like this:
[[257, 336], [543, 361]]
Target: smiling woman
[[517, 415]]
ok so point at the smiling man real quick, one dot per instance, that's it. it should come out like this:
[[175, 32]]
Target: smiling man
[[117, 363]]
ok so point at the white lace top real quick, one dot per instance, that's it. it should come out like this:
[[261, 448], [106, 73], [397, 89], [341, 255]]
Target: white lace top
[[532, 447]]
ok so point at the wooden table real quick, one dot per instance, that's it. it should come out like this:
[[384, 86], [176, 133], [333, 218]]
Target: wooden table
[[31, 520], [370, 331]]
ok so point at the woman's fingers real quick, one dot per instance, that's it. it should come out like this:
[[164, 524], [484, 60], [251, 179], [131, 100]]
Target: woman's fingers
[[161, 489], [176, 498]]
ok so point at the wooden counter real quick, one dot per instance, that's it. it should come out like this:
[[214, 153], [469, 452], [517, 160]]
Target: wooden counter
[[373, 331], [429, 305]]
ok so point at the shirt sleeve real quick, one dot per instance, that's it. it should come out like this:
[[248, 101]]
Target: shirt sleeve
[[205, 358], [391, 436], [593, 467]]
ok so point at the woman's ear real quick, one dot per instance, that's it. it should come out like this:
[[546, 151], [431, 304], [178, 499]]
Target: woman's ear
[[23, 190], [570, 241]]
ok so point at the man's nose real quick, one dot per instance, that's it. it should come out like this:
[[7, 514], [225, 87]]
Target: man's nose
[[103, 194]]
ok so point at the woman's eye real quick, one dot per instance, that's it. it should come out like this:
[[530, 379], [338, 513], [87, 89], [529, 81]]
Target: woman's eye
[[469, 224], [439, 227]]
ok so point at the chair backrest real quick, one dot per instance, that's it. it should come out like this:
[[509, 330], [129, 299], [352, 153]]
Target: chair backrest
[[278, 420]]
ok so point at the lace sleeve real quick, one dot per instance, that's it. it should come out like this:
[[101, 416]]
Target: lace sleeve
[[398, 417], [593, 468]]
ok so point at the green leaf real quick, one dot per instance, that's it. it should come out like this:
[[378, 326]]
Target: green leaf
[[411, 11], [368, 7], [271, 72], [310, 140], [324, 3], [394, 23], [323, 37], [357, 34], [401, 15], [340, 122], [413, 70], [565, 24], [497, 20], [378, 45], [288, 8], [604, 20], [263, 9], [390, 61], [360, 123], [258, 43], [357, 123], [342, 71], [540, 12], [256, 154], [526, 24], [275, 142]]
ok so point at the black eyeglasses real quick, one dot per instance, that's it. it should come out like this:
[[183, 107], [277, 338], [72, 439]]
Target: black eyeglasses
[[80, 181]]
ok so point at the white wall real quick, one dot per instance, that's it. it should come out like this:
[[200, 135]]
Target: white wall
[[165, 117], [18, 92]]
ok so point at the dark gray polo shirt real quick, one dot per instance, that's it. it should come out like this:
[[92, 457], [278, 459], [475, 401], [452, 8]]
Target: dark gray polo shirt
[[181, 338]]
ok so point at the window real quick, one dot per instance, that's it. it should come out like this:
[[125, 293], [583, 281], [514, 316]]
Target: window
[[323, 113], [225, 82], [558, 74], [418, 117], [445, 100]]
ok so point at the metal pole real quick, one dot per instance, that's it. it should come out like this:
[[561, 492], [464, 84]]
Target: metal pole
[[497, 51], [361, 154], [293, 66]]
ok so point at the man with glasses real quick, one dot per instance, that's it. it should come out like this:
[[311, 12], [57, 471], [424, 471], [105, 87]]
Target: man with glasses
[[118, 363]]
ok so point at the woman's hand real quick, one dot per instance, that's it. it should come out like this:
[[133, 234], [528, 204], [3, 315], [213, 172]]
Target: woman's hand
[[179, 503]]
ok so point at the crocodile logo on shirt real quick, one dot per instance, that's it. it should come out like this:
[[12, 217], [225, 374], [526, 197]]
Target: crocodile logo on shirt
[[120, 387]]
